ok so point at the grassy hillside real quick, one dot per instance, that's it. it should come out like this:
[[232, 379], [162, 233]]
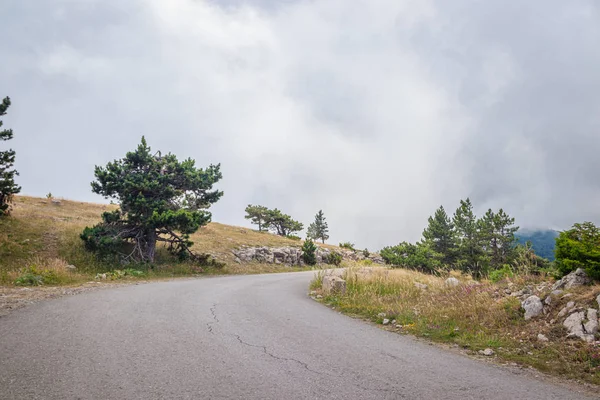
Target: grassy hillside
[[45, 233]]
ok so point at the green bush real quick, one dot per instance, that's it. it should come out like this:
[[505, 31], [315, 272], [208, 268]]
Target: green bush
[[505, 272], [417, 256], [347, 245], [309, 250], [366, 253], [333, 258], [32, 276], [121, 273], [293, 237], [579, 247], [29, 279]]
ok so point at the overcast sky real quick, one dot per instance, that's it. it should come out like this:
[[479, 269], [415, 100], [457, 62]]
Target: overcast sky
[[376, 111]]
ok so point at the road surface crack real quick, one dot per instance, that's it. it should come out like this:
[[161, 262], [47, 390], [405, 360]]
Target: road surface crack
[[266, 351], [305, 365], [213, 312]]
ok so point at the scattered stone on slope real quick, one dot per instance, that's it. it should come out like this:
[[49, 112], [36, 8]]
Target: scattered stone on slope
[[523, 293], [421, 286], [487, 352], [452, 282], [574, 323], [533, 307], [574, 279], [591, 326], [333, 284], [542, 337], [565, 310], [386, 321], [598, 300], [71, 268]]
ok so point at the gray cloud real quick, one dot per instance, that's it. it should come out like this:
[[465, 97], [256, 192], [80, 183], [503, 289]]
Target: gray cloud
[[376, 113]]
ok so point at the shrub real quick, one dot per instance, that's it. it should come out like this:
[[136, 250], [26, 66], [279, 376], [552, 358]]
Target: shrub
[[309, 249], [119, 274], [347, 245], [133, 272], [32, 276], [418, 256], [29, 279], [579, 247], [293, 237], [366, 253], [333, 258], [505, 272]]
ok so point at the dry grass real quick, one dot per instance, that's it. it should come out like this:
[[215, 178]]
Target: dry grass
[[44, 233], [219, 240], [474, 316]]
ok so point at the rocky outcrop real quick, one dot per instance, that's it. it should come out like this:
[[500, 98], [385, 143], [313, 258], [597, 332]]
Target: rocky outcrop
[[575, 278], [293, 255]]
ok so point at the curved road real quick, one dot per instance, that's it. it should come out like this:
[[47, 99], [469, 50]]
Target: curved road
[[241, 337]]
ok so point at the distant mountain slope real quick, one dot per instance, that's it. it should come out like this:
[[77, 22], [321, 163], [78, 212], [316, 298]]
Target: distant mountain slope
[[543, 241]]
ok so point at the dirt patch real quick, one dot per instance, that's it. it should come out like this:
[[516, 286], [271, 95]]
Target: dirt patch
[[14, 298]]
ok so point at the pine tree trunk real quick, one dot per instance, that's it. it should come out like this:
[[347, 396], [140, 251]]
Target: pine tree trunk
[[148, 245]]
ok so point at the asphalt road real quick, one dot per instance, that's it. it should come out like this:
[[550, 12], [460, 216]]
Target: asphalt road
[[241, 337]]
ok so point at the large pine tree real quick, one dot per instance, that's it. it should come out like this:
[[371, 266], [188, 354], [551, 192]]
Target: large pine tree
[[497, 232], [470, 251], [318, 229], [489, 237], [440, 237], [8, 188], [505, 230], [161, 200]]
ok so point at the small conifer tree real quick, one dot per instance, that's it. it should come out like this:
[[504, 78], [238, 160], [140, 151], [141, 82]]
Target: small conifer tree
[[8, 187], [309, 252], [319, 230]]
